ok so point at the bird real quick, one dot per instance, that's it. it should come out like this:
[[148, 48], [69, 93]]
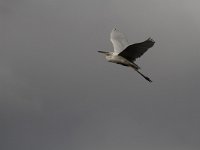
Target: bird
[[126, 54]]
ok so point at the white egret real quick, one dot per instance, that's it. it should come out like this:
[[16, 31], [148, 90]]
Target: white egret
[[126, 54]]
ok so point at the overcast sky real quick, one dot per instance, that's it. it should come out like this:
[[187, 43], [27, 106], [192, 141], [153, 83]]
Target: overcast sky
[[58, 93]]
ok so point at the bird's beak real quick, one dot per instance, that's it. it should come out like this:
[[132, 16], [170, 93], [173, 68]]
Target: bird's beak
[[103, 52]]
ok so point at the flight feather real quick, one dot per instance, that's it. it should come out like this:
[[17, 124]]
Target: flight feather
[[118, 40], [137, 50]]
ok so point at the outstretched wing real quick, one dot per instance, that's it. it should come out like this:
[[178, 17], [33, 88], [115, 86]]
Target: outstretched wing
[[136, 50], [118, 40]]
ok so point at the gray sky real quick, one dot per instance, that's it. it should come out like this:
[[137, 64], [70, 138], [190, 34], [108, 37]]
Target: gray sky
[[57, 92]]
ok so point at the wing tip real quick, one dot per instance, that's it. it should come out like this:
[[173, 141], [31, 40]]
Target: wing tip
[[150, 40], [115, 29]]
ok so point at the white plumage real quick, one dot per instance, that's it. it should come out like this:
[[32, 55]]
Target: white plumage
[[118, 40], [126, 54]]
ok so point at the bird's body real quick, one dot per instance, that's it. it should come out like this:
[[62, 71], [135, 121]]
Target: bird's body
[[115, 58], [126, 54]]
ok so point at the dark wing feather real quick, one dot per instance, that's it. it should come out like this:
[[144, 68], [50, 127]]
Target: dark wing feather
[[136, 50]]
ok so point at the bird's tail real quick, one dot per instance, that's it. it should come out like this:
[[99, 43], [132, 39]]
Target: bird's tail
[[147, 78]]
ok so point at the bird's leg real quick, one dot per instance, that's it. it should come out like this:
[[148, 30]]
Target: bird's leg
[[147, 78]]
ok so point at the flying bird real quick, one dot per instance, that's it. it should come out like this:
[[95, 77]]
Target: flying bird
[[125, 54]]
